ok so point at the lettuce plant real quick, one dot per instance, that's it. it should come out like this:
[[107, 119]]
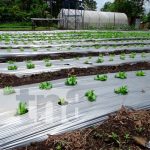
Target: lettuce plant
[[122, 56], [22, 108], [45, 85], [100, 60], [8, 90], [71, 80], [30, 65], [123, 90], [101, 77], [12, 67], [143, 55], [132, 55], [121, 75], [140, 73], [62, 101], [91, 96], [11, 62]]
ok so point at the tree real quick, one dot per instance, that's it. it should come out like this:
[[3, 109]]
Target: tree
[[133, 8]]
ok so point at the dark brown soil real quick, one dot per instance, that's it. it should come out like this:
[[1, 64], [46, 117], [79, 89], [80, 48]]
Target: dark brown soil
[[67, 55], [126, 130], [12, 80]]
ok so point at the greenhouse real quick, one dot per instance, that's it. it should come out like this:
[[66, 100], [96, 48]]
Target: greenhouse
[[85, 19]]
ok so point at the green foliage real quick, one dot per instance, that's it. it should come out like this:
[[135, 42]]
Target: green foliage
[[100, 60], [101, 77], [132, 8], [45, 85], [91, 95], [121, 75], [30, 65], [114, 137], [62, 101], [8, 90], [12, 67], [132, 55], [123, 90], [71, 80], [143, 55], [140, 73], [22, 108], [48, 64], [122, 56]]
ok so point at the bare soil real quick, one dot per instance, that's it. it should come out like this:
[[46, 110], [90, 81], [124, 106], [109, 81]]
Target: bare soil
[[125, 130], [13, 80]]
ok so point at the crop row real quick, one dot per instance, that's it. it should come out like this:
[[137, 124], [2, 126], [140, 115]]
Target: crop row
[[72, 81], [74, 35], [100, 59]]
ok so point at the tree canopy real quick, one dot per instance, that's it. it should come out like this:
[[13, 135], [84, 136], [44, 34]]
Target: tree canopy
[[23, 10], [133, 8]]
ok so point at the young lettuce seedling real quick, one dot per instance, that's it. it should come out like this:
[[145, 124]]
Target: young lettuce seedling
[[62, 101], [100, 60], [8, 90], [121, 75], [30, 65], [91, 95], [143, 55], [101, 77], [45, 85], [132, 55], [12, 67], [22, 108], [71, 80], [123, 90], [140, 73], [11, 62], [122, 56]]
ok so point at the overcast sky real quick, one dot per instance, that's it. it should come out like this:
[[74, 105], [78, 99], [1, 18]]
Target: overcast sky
[[100, 4]]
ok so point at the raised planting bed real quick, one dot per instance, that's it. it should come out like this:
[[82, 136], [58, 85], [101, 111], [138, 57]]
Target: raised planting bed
[[45, 115], [125, 129], [59, 83]]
